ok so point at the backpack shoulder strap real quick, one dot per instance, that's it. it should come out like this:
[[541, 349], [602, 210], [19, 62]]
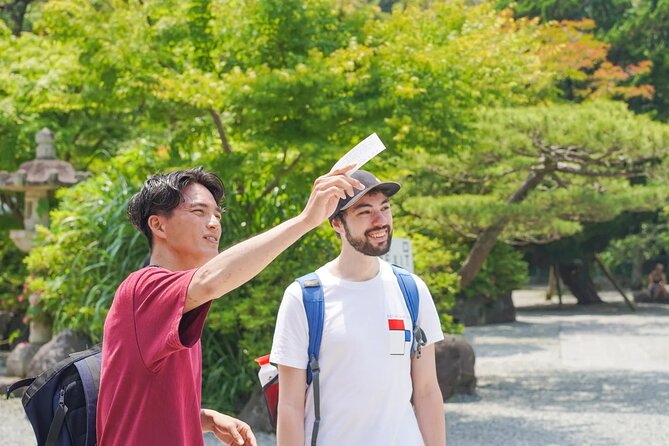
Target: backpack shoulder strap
[[409, 291], [89, 371], [314, 306], [312, 296], [412, 299]]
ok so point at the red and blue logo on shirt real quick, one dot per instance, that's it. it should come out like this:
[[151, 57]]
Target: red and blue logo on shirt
[[399, 336]]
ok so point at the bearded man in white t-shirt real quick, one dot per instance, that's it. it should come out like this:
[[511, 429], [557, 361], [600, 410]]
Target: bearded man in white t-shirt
[[373, 391]]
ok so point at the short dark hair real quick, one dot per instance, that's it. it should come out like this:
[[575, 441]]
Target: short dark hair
[[162, 193]]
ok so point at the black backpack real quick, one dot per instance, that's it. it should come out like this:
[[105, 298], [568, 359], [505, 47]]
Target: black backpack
[[61, 402]]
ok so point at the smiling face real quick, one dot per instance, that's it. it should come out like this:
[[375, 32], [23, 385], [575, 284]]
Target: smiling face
[[368, 225], [192, 230]]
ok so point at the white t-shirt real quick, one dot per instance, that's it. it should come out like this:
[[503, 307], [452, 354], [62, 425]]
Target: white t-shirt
[[365, 377]]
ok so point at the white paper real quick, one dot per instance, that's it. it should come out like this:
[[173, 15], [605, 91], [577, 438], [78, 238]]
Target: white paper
[[360, 154]]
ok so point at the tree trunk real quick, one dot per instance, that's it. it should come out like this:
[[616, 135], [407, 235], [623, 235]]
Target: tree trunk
[[16, 12], [218, 122], [576, 275], [488, 237], [638, 278], [482, 247]]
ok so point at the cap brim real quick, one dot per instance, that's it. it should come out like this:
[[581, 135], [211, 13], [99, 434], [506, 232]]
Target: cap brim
[[388, 188]]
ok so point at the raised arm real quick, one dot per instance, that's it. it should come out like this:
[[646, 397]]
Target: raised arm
[[243, 261]]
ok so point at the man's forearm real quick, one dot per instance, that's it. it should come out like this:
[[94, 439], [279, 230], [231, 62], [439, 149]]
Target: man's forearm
[[290, 428], [429, 410], [243, 261]]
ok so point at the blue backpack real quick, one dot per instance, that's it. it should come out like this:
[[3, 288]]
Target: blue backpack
[[61, 402], [312, 296]]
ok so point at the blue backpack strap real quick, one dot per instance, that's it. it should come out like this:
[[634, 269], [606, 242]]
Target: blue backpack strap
[[412, 299], [314, 306], [312, 296], [89, 371]]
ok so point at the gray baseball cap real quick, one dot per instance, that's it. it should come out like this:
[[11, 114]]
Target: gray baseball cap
[[370, 183]]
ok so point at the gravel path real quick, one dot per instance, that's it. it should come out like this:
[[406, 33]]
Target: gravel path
[[568, 376], [558, 376]]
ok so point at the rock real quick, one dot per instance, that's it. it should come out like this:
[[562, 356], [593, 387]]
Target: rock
[[40, 332], [19, 359], [455, 360], [644, 297], [501, 310], [480, 310], [255, 413], [59, 348]]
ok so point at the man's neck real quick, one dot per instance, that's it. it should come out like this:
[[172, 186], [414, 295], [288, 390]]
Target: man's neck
[[165, 258], [354, 266]]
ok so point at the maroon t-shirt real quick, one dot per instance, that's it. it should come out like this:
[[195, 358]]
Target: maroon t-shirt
[[151, 380]]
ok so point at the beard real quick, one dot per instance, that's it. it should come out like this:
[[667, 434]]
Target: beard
[[362, 245]]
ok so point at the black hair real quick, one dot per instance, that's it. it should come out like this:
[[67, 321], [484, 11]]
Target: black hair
[[162, 193]]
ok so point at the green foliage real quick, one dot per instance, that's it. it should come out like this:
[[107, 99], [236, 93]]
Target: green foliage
[[605, 12], [504, 270], [434, 263], [643, 33], [636, 30], [628, 255], [438, 254], [12, 297], [588, 152]]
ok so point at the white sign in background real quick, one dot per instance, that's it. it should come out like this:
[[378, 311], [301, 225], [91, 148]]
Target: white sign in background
[[400, 253]]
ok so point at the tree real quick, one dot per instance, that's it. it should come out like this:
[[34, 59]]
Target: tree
[[643, 34], [636, 30], [536, 174], [606, 13]]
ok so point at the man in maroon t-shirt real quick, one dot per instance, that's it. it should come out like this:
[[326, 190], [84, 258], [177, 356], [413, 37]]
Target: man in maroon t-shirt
[[150, 385]]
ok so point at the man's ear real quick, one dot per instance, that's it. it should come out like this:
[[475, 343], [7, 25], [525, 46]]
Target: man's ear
[[157, 227], [337, 225]]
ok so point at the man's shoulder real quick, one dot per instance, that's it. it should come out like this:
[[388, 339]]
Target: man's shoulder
[[321, 273], [420, 283], [294, 289], [388, 267], [131, 279], [147, 278]]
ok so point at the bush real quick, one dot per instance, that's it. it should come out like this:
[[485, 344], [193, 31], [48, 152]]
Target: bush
[[504, 270], [434, 264], [12, 297]]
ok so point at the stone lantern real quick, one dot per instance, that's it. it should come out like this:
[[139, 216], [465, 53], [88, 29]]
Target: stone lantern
[[37, 179]]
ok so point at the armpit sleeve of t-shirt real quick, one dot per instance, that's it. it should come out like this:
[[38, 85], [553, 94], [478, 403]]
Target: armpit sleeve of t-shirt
[[291, 333], [160, 325], [428, 318]]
